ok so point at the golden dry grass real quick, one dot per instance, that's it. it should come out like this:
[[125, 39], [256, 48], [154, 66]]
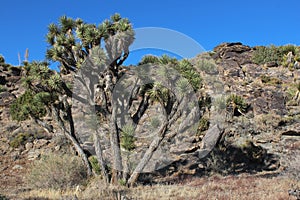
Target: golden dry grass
[[215, 187]]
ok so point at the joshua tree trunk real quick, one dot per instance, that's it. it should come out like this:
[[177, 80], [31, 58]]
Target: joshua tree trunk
[[148, 154], [100, 158], [115, 147], [73, 140]]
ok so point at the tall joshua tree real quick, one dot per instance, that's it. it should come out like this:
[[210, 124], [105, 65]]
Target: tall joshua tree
[[71, 43]]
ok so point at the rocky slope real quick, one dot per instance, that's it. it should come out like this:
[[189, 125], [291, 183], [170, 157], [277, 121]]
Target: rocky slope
[[263, 137]]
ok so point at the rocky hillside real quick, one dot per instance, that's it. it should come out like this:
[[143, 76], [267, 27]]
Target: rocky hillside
[[261, 120]]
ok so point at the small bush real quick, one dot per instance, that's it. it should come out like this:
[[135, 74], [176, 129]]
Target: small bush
[[208, 66], [263, 55], [20, 139], [270, 80], [238, 104], [155, 123], [95, 164], [203, 124], [54, 171]]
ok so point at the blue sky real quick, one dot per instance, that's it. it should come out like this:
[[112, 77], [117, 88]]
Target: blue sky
[[24, 23]]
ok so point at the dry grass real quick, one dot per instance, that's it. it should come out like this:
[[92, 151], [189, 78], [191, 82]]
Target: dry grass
[[215, 187], [218, 187]]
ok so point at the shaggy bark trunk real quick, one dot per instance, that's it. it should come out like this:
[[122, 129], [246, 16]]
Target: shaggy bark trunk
[[100, 158], [115, 147], [148, 154], [74, 142]]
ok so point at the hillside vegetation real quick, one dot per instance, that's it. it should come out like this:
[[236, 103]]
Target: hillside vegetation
[[222, 125]]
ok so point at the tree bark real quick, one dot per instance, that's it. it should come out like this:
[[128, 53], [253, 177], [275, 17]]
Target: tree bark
[[100, 158], [115, 147], [148, 154], [74, 142]]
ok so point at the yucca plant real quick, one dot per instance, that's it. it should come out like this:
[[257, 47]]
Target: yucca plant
[[127, 137], [237, 104]]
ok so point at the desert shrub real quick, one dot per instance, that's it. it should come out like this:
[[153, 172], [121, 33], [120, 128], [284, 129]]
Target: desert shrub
[[154, 123], [203, 124], [208, 66], [20, 139], [270, 80], [293, 94], [272, 53], [55, 171], [220, 103], [238, 104], [149, 59]]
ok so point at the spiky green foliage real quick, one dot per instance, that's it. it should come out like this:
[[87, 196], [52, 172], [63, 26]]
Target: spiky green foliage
[[149, 59], [158, 92], [95, 164], [127, 137], [28, 105], [43, 86], [184, 67], [188, 71], [237, 103], [71, 40]]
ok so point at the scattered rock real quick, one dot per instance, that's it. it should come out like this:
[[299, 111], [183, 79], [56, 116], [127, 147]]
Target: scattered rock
[[17, 167], [33, 154], [28, 145], [40, 143]]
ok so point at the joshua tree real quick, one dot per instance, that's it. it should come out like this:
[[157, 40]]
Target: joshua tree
[[70, 43]]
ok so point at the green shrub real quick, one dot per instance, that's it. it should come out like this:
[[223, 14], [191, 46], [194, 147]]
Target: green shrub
[[220, 103], [270, 80], [95, 164], [154, 122], [184, 67], [127, 137], [55, 171], [208, 66], [238, 104], [203, 124], [20, 139], [272, 53]]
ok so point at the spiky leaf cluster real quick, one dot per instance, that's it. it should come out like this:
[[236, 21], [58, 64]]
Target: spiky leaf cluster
[[42, 88], [127, 137], [237, 102], [71, 40], [28, 105], [184, 67]]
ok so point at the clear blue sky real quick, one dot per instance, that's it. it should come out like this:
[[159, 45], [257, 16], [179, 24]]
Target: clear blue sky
[[257, 22]]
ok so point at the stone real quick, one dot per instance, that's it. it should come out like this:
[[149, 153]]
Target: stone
[[28, 145], [40, 143], [17, 167], [33, 154]]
